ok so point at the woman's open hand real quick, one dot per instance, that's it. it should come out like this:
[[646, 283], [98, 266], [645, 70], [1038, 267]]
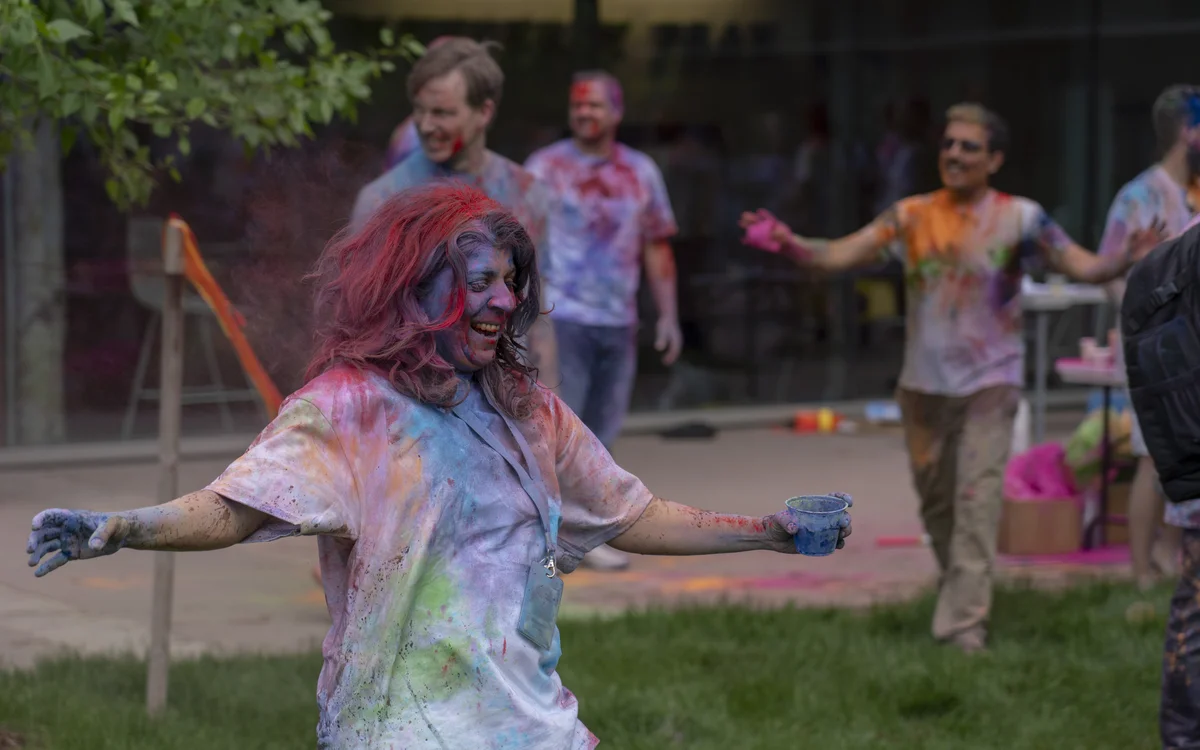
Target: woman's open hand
[[73, 535]]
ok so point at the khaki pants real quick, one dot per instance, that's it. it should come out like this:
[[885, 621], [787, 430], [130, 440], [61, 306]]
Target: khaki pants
[[958, 448]]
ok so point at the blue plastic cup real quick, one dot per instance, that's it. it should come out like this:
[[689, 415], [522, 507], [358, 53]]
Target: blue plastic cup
[[820, 518]]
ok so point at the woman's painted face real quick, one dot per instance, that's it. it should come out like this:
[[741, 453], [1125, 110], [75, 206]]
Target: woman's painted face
[[470, 343]]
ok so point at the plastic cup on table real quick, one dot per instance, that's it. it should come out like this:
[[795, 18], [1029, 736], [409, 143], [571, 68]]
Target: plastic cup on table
[[820, 518], [1087, 345]]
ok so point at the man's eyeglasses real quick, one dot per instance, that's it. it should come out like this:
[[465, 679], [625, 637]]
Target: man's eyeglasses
[[970, 147]]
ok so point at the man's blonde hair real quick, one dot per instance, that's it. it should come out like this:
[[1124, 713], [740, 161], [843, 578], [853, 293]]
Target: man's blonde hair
[[977, 114]]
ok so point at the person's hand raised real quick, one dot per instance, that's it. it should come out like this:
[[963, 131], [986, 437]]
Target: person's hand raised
[[764, 231], [1142, 241]]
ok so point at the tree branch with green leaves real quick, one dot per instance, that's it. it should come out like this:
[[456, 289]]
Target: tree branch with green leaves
[[124, 72]]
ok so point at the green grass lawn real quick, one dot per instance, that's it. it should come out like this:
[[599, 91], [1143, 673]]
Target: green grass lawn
[[1065, 671]]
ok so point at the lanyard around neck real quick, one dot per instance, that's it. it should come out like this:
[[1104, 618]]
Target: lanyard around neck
[[533, 488]]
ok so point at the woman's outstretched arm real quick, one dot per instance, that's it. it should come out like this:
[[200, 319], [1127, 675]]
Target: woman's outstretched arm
[[200, 521], [667, 528]]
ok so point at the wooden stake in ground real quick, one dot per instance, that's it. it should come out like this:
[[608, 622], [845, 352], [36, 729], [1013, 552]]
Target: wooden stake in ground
[[169, 416]]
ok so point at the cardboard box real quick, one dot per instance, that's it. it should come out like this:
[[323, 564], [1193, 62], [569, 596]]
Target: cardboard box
[[1041, 527], [1117, 531]]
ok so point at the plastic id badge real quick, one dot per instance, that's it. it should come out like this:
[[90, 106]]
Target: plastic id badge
[[539, 610]]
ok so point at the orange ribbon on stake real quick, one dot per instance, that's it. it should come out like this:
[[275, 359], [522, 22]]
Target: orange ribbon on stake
[[228, 317]]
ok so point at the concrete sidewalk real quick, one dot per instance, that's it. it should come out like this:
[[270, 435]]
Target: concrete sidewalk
[[261, 597]]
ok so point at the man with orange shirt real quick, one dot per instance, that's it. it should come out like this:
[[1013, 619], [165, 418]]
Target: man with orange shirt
[[963, 248]]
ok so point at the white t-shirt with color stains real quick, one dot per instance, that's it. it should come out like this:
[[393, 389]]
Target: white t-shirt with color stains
[[426, 538]]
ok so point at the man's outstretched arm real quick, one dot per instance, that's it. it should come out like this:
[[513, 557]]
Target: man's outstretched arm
[[1111, 264], [862, 248]]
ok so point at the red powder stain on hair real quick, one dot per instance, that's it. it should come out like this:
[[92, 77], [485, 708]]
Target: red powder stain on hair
[[362, 276], [580, 90]]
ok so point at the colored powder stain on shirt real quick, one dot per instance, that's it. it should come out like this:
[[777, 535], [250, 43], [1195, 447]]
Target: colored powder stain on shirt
[[604, 213], [404, 141], [502, 180], [963, 267], [425, 577], [437, 672], [1151, 195], [436, 594]]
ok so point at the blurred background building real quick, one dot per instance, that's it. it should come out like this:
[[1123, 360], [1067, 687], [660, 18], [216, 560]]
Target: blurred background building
[[823, 110]]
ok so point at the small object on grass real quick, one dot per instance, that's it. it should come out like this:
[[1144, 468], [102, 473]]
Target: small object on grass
[[11, 740], [1140, 612], [691, 430]]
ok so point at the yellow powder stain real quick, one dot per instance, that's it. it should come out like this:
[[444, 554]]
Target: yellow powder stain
[[704, 583], [312, 596], [591, 578]]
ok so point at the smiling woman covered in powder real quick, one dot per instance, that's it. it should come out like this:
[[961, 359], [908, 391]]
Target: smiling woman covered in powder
[[446, 487]]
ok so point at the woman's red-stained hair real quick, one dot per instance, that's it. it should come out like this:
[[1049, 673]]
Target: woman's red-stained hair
[[370, 283]]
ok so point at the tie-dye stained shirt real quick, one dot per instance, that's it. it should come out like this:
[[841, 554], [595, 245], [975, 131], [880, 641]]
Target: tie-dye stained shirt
[[503, 180], [403, 142], [963, 269], [1149, 196], [426, 538], [605, 211]]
